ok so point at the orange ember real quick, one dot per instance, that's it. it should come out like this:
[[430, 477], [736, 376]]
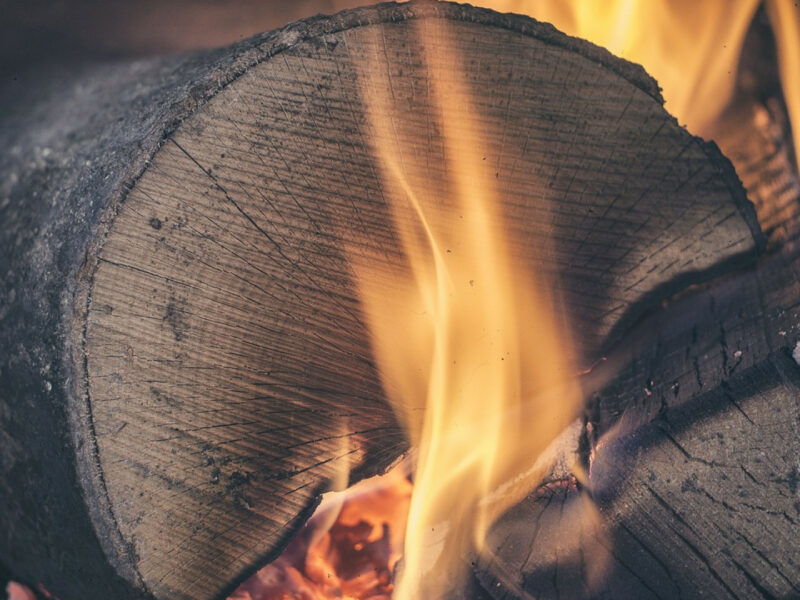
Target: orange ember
[[347, 551], [17, 591]]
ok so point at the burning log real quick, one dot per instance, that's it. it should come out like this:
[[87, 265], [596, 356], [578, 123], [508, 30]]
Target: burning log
[[694, 459], [701, 502], [187, 366]]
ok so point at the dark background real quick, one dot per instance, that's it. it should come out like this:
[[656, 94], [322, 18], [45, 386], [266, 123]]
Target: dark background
[[33, 32]]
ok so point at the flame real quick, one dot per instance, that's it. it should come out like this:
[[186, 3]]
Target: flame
[[784, 16], [472, 353], [17, 591], [691, 48]]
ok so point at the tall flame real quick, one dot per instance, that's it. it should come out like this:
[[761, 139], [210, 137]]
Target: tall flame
[[472, 352]]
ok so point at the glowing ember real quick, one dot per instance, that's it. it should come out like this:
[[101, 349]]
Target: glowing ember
[[17, 591], [348, 550]]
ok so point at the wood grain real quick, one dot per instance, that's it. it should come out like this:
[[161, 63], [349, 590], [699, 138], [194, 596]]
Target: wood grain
[[700, 503], [211, 371], [229, 369]]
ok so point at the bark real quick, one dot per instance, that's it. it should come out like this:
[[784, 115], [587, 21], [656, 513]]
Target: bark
[[186, 366]]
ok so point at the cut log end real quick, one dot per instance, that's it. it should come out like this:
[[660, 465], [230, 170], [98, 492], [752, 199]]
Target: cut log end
[[222, 373], [225, 347]]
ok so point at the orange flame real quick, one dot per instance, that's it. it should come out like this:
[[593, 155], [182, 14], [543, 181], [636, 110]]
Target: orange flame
[[691, 48], [785, 18], [472, 352]]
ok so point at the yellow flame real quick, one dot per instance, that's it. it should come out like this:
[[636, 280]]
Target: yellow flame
[[473, 355], [472, 352], [690, 47]]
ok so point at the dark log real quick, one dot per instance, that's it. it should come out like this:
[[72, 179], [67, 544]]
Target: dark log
[[185, 367], [700, 503]]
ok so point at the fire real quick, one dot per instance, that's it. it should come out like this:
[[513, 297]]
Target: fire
[[348, 550], [18, 591], [785, 18], [691, 48], [472, 351], [473, 354]]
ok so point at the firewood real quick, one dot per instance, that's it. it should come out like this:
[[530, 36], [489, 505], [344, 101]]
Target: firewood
[[184, 366], [696, 475], [699, 503]]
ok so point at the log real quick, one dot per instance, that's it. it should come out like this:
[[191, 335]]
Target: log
[[696, 476], [186, 366], [700, 503]]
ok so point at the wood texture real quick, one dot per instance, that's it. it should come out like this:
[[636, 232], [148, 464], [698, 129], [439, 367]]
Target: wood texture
[[209, 354], [703, 409], [224, 343], [700, 503]]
